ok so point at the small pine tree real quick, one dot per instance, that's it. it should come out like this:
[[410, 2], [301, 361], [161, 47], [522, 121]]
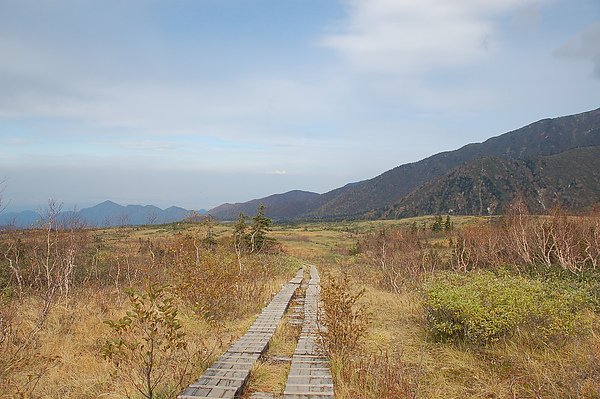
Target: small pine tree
[[448, 223], [356, 249], [239, 230], [259, 229], [437, 224], [210, 239]]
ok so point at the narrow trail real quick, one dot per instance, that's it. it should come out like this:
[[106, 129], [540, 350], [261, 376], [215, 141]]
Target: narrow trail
[[309, 376]]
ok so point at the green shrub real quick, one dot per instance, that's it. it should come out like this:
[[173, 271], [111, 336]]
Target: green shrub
[[480, 308], [149, 345]]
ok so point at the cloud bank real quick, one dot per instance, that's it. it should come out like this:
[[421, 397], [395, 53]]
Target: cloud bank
[[261, 97], [412, 37], [585, 46]]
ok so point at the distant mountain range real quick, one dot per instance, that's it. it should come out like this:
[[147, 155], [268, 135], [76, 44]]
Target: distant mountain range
[[534, 162], [104, 214], [290, 205]]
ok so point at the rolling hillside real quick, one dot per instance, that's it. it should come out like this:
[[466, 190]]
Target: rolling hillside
[[487, 186], [288, 205], [543, 138]]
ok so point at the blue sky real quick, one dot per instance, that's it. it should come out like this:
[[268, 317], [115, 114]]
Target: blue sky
[[196, 103]]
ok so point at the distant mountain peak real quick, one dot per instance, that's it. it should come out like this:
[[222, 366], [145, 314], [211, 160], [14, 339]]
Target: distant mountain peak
[[173, 207]]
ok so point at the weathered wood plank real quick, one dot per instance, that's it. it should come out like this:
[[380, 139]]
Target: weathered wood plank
[[228, 375], [310, 374]]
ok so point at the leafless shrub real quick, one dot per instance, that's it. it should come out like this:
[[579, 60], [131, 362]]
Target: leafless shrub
[[344, 318], [401, 257], [476, 246], [569, 242]]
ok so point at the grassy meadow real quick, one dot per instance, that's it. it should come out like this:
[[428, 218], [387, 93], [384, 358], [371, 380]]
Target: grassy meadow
[[416, 308]]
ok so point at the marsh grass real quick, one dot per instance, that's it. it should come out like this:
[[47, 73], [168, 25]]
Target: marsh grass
[[284, 340], [399, 356], [267, 376], [524, 364], [59, 355]]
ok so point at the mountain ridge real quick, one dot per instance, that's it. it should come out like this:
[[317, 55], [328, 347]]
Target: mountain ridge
[[542, 138], [567, 132], [280, 206], [104, 214], [489, 185]]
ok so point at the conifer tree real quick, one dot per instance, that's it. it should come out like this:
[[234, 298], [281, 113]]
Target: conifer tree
[[258, 230], [447, 224], [413, 227], [437, 224], [210, 239]]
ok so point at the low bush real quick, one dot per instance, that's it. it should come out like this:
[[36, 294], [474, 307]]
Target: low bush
[[222, 286], [149, 345], [344, 317], [483, 307]]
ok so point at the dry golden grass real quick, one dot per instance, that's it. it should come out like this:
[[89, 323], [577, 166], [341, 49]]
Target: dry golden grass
[[71, 337], [64, 358], [398, 359], [520, 367], [270, 373], [75, 332], [267, 377], [284, 340]]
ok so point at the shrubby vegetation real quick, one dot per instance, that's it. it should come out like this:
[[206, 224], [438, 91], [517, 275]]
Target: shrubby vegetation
[[436, 306], [558, 240], [149, 345], [344, 317], [484, 307], [218, 287], [488, 307], [59, 284]]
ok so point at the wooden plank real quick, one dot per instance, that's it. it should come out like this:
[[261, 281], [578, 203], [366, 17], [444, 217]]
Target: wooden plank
[[228, 375], [310, 374]]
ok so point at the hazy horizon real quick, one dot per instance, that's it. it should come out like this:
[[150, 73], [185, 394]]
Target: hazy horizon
[[194, 104]]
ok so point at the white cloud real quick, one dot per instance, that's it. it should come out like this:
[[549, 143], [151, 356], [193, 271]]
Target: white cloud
[[78, 89], [585, 46], [415, 36]]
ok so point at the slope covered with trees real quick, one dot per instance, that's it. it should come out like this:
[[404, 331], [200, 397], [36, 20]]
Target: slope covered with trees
[[487, 186], [546, 137], [504, 156]]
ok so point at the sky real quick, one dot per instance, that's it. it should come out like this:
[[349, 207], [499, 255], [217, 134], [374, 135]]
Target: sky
[[199, 102]]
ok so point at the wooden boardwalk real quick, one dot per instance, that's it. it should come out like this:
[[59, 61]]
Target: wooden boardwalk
[[227, 377], [309, 376]]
